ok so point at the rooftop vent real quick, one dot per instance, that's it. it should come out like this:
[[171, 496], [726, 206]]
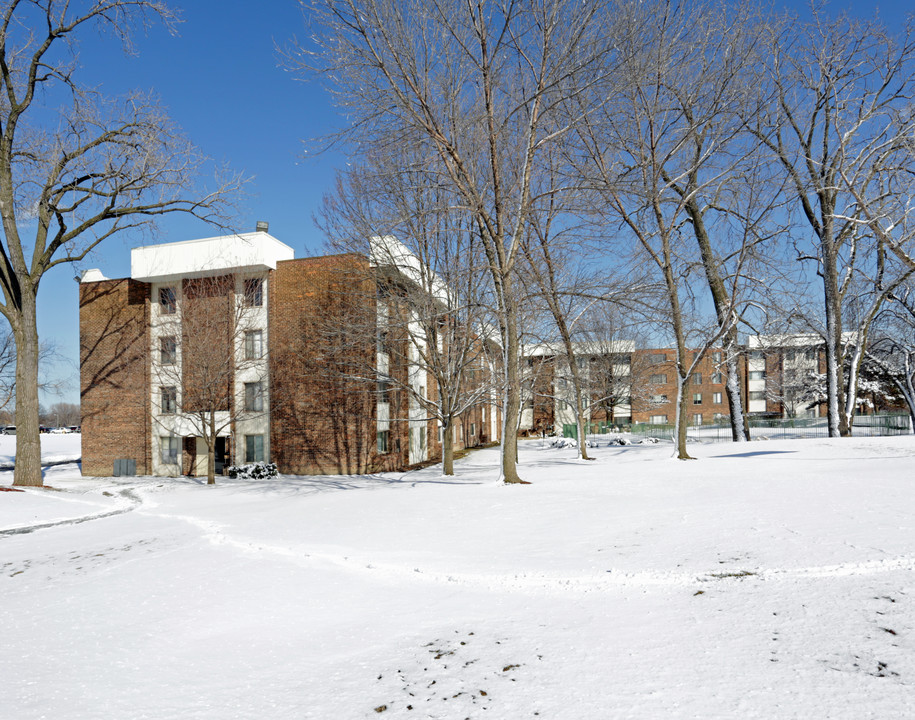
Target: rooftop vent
[[262, 226]]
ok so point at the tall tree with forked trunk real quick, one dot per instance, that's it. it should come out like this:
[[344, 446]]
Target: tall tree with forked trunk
[[75, 168]]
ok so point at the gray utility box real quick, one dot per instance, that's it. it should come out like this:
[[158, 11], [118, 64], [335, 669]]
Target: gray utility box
[[125, 467]]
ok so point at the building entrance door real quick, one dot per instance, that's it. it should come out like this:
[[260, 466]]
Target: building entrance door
[[222, 454]]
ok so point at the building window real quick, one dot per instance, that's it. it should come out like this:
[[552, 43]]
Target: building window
[[170, 447], [716, 398], [254, 344], [716, 357], [473, 429], [384, 442], [758, 395], [254, 448], [658, 420], [384, 390], [168, 301], [169, 400], [697, 398], [254, 397], [254, 292], [697, 419], [757, 375], [658, 399], [657, 359], [810, 354], [717, 378], [659, 379], [697, 378], [168, 350]]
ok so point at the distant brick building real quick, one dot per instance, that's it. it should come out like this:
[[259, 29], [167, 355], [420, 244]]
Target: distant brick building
[[295, 342], [623, 385]]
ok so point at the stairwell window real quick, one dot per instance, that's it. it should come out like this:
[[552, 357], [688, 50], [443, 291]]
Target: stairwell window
[[170, 447], [254, 292], [168, 350], [254, 448], [254, 344], [168, 301], [254, 396], [169, 404]]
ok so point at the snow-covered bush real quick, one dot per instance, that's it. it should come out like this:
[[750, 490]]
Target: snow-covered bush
[[253, 471], [645, 441], [564, 443], [621, 441]]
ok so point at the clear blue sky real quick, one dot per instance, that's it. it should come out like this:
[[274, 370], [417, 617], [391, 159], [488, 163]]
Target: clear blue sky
[[221, 80], [223, 83]]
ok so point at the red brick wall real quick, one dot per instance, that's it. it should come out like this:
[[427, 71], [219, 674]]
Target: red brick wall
[[114, 374], [207, 342], [642, 410], [321, 344]]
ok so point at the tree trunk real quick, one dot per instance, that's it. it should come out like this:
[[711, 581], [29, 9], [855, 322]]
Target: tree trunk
[[512, 386], [851, 391], [838, 426], [740, 427], [682, 391], [211, 451], [28, 439], [725, 314], [576, 389], [448, 448]]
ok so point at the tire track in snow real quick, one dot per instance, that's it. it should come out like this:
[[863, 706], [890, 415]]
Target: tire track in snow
[[134, 501]]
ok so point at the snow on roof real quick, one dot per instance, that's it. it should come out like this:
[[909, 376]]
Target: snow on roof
[[388, 252]]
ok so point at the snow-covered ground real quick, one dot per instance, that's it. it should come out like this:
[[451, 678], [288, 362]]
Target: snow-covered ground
[[54, 448], [769, 580]]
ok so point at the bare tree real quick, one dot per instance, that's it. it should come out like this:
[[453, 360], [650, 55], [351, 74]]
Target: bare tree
[[209, 367], [558, 282], [430, 292], [839, 125], [658, 157], [63, 414], [478, 87], [891, 356], [619, 377], [72, 178]]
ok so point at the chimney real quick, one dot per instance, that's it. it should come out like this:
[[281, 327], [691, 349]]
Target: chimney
[[262, 226]]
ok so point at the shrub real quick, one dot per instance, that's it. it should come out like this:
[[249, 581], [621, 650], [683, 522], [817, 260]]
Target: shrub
[[253, 471]]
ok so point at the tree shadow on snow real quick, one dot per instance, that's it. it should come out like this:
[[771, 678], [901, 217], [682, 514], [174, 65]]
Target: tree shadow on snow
[[758, 452]]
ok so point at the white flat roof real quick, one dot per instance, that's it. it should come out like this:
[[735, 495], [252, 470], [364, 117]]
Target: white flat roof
[[255, 251]]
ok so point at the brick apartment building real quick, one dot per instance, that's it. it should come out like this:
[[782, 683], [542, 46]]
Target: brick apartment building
[[624, 385], [774, 372], [285, 350]]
